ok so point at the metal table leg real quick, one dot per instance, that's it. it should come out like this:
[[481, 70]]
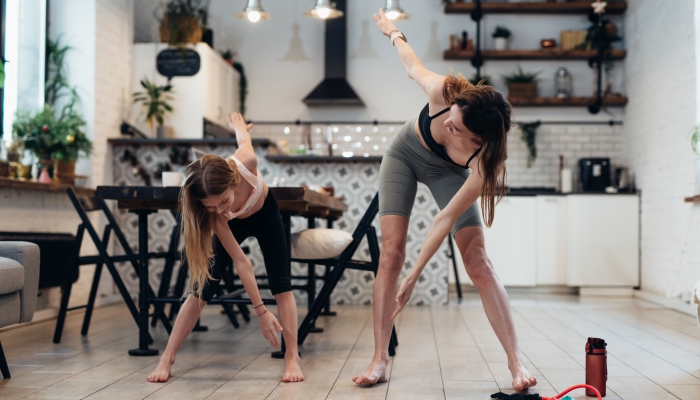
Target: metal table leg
[[143, 349]]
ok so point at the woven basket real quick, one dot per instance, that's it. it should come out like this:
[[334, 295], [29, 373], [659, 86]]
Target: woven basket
[[185, 23], [527, 90]]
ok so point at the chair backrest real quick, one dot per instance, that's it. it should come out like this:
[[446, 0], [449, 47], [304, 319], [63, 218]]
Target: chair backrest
[[361, 229]]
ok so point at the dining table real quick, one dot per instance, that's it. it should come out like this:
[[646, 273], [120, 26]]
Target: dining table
[[146, 200]]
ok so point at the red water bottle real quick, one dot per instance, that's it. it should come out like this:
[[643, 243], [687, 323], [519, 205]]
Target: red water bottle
[[596, 365]]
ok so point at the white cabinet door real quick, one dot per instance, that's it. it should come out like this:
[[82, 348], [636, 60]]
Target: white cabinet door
[[511, 242], [603, 240], [551, 240]]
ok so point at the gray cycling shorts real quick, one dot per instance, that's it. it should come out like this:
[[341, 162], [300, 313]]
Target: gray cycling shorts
[[407, 162]]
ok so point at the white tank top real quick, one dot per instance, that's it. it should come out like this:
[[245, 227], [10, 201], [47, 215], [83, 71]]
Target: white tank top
[[256, 181]]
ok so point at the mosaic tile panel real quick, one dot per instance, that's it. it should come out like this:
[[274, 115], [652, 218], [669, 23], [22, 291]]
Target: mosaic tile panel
[[355, 182]]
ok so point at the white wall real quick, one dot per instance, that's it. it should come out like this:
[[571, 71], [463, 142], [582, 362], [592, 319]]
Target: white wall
[[661, 81], [280, 79]]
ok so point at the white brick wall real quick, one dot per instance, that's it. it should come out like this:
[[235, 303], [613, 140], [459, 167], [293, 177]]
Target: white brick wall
[[113, 60], [572, 141], [661, 84]]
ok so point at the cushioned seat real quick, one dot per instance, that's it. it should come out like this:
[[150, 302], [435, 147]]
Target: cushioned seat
[[19, 283], [319, 244], [12, 274]]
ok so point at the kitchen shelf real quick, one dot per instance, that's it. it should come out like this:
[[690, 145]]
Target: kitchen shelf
[[554, 54], [577, 7], [694, 199], [610, 101], [45, 187], [333, 159]]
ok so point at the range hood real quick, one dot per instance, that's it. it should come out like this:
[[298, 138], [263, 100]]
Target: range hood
[[335, 90]]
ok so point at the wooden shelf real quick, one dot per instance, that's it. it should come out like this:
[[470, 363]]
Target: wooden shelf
[[34, 185], [694, 199], [319, 159], [576, 7], [553, 54], [610, 101]]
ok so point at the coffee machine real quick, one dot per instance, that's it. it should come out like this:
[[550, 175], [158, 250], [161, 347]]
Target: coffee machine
[[595, 174]]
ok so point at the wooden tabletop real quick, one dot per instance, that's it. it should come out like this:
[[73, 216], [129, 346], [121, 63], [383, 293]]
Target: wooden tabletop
[[299, 200], [46, 187]]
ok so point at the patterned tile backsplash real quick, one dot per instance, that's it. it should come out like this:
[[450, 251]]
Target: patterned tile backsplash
[[357, 183]]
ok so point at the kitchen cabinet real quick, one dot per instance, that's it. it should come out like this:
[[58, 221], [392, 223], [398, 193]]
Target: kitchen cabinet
[[603, 240], [551, 240], [511, 242], [578, 240], [211, 93]]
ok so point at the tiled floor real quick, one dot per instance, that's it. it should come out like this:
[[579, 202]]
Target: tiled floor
[[445, 352]]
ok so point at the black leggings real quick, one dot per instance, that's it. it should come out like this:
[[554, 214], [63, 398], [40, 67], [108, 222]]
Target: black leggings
[[266, 226]]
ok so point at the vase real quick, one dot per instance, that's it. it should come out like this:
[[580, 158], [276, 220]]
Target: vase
[[64, 172], [44, 177], [500, 43]]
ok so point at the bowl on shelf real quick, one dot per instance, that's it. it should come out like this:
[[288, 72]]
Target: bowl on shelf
[[548, 43]]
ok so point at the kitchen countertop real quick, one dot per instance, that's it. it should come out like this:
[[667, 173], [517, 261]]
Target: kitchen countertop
[[552, 192]]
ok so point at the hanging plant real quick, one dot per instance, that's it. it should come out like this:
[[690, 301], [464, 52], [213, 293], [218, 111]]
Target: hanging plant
[[529, 136], [183, 21], [242, 85]]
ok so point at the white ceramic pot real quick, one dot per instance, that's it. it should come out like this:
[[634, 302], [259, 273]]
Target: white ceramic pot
[[500, 43]]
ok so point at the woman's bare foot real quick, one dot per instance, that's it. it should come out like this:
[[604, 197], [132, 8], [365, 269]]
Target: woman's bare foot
[[375, 373], [522, 379], [162, 371], [292, 372]]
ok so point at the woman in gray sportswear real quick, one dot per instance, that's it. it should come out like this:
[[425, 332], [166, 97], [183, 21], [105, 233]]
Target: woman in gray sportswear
[[457, 146]]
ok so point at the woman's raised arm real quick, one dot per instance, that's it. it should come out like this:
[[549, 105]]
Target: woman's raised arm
[[429, 81]]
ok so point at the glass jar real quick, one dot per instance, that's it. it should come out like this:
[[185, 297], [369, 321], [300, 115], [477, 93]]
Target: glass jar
[[563, 83]]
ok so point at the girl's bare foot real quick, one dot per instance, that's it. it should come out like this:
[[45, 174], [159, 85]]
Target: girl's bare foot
[[375, 373], [522, 379], [162, 371], [292, 372]]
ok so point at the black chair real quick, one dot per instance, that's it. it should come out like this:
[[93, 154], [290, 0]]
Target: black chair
[[227, 290], [340, 264], [451, 255], [83, 205]]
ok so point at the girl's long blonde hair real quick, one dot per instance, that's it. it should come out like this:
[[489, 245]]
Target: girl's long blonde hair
[[209, 176], [486, 113]]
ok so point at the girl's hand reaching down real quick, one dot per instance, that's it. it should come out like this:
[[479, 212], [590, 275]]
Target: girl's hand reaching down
[[269, 327]]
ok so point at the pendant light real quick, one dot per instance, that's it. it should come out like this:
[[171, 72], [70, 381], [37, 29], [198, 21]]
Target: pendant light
[[394, 12], [324, 9], [254, 12]]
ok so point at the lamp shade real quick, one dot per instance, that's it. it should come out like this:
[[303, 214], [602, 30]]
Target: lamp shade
[[253, 12], [324, 9], [394, 11]]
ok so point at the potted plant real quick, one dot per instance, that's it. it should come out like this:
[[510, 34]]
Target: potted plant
[[182, 21], [56, 141], [484, 80], [155, 99], [500, 37], [521, 83]]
